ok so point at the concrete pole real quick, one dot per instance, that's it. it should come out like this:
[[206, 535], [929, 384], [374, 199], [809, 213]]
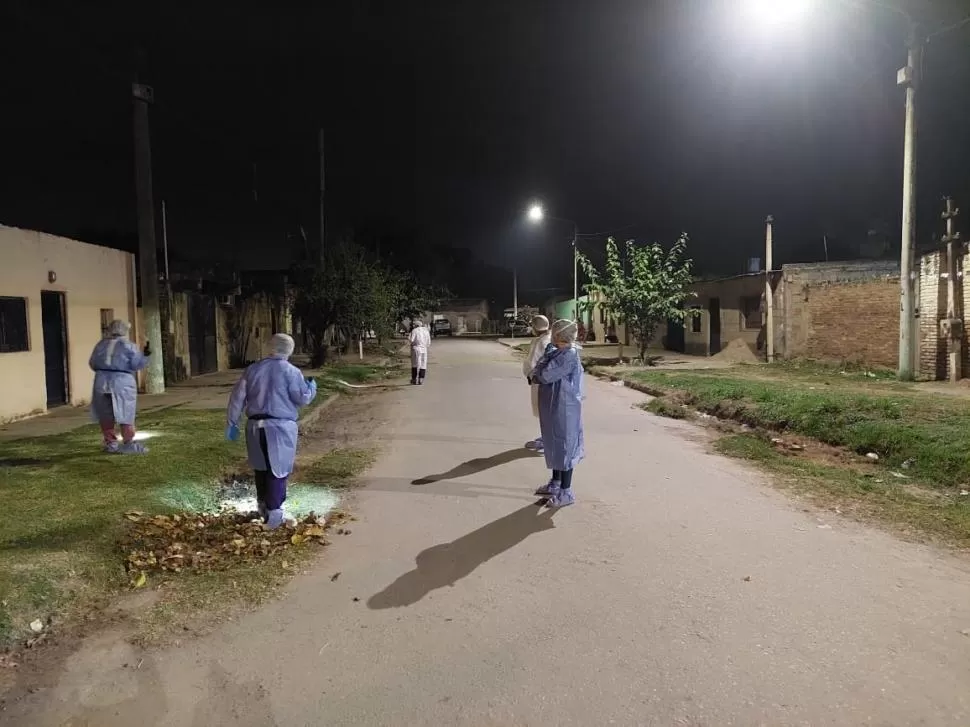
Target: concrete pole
[[954, 296], [515, 298], [323, 188], [908, 77], [769, 297], [576, 271], [147, 248]]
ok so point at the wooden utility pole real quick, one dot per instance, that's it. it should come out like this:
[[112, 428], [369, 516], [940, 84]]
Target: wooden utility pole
[[954, 295], [147, 247]]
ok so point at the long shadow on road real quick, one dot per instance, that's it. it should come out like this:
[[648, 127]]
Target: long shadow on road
[[474, 466], [446, 564]]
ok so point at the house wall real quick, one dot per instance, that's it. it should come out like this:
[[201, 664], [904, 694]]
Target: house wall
[[466, 316], [92, 278], [730, 292], [934, 347], [840, 312]]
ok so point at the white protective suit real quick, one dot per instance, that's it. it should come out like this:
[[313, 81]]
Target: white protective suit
[[536, 352], [420, 340]]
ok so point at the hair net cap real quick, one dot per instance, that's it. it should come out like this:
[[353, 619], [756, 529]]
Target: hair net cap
[[564, 330], [282, 345], [119, 329], [540, 323]]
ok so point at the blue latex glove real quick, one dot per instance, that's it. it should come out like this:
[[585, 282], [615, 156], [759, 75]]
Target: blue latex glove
[[232, 432], [312, 383]]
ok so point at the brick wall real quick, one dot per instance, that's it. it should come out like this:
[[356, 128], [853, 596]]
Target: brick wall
[[933, 348], [840, 312], [856, 322]]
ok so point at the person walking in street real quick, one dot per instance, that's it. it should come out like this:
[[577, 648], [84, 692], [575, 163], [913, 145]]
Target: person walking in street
[[540, 328], [560, 378], [114, 397], [271, 392], [420, 341]]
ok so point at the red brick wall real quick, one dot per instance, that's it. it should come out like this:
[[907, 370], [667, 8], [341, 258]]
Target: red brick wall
[[848, 321]]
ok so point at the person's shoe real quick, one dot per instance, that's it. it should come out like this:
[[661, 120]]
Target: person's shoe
[[540, 449], [563, 499], [112, 447], [274, 519], [133, 448], [550, 489]]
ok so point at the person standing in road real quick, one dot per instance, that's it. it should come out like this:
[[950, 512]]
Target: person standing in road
[[115, 361], [560, 378], [540, 328], [420, 341], [271, 391]]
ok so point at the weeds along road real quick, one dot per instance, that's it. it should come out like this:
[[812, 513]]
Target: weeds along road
[[680, 590]]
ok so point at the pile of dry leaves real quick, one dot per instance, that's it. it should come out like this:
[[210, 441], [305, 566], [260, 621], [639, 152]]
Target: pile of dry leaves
[[173, 543]]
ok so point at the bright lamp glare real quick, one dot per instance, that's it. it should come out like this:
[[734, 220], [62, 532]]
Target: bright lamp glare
[[772, 14], [535, 213]]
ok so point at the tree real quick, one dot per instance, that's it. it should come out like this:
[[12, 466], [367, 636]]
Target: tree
[[353, 294], [644, 288]]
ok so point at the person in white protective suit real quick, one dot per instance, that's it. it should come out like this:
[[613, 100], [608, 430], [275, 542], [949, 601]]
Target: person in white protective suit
[[271, 391], [540, 326], [420, 340], [114, 397]]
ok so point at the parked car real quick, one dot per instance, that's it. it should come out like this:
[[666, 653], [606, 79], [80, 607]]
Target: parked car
[[441, 327], [519, 328]]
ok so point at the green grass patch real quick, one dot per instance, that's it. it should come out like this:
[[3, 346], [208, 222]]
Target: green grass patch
[[63, 500], [877, 496], [901, 425], [664, 408]]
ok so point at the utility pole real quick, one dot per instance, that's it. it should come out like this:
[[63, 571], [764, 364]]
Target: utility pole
[[147, 248], [323, 188], [515, 298], [576, 270], [953, 325], [769, 297], [908, 77]]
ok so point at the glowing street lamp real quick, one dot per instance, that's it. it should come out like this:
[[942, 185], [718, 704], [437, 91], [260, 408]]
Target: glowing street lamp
[[536, 215], [774, 14]]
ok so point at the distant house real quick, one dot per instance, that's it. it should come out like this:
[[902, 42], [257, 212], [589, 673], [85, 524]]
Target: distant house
[[57, 297], [466, 315]]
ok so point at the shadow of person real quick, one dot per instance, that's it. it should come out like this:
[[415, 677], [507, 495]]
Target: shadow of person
[[474, 466], [446, 564]]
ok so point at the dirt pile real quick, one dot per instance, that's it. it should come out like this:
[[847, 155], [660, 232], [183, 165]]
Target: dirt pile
[[173, 543], [737, 351]]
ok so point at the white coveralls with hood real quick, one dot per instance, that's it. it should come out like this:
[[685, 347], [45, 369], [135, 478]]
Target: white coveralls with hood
[[542, 340], [420, 340], [114, 397]]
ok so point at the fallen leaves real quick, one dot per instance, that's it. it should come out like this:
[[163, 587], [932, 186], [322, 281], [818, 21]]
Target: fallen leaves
[[194, 541]]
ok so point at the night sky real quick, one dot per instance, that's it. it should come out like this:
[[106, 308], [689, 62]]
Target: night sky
[[444, 119]]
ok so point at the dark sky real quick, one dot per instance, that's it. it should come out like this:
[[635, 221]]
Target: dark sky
[[444, 118]]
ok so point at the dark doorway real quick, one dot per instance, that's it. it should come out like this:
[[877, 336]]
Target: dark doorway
[[714, 311], [202, 335], [54, 320], [675, 336]]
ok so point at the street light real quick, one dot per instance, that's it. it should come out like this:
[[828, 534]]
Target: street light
[[772, 14], [536, 214]]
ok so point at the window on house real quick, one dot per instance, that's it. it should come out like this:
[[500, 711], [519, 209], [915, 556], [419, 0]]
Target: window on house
[[13, 325], [695, 320], [107, 315], [751, 313]]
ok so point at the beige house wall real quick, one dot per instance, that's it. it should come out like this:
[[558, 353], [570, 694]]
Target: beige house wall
[[730, 293], [91, 278]]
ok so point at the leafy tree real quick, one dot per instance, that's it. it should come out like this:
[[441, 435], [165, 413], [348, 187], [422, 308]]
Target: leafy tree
[[643, 288], [354, 293]]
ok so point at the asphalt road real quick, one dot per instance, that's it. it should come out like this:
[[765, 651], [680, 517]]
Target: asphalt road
[[462, 603]]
